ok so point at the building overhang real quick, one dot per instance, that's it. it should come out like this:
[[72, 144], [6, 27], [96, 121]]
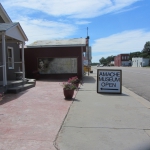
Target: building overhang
[[13, 32]]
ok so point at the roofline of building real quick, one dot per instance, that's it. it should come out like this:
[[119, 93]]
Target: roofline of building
[[17, 24], [5, 14], [40, 46], [23, 33]]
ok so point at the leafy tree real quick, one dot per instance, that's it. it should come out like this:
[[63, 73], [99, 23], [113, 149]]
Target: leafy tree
[[106, 61], [144, 55], [103, 61], [146, 48], [134, 54], [109, 59]]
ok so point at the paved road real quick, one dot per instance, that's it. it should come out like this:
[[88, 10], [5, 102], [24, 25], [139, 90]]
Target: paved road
[[135, 79]]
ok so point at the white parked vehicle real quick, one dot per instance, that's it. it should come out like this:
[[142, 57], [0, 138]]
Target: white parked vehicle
[[100, 65]]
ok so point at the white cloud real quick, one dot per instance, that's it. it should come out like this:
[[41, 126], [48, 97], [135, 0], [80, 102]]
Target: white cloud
[[38, 29], [64, 10], [96, 58], [73, 8], [125, 10], [82, 22], [124, 42]]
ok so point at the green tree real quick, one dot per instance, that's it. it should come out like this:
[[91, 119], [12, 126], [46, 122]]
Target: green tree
[[109, 59], [146, 48], [106, 61], [134, 54], [103, 61]]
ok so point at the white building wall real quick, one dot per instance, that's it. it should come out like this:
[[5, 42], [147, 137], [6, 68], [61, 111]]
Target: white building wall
[[112, 62], [140, 62]]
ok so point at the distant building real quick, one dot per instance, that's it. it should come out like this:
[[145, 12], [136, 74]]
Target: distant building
[[140, 62], [122, 60]]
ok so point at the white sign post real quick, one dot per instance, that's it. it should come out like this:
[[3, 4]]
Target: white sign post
[[85, 62], [109, 81]]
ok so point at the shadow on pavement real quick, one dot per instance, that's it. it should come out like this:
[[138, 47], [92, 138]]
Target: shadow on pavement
[[8, 97], [76, 100], [107, 94], [89, 79]]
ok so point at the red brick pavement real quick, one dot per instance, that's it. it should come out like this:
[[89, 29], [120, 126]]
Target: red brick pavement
[[30, 120]]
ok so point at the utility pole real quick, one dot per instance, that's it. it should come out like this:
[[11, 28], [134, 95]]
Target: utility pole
[[87, 31], [87, 48]]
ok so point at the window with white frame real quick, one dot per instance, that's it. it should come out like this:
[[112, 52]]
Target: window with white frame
[[10, 53]]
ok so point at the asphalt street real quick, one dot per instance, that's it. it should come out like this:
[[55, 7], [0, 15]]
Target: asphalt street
[[135, 79]]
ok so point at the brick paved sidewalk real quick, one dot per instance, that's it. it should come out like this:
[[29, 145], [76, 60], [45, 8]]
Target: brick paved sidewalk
[[30, 120]]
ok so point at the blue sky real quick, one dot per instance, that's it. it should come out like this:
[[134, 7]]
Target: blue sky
[[114, 26]]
